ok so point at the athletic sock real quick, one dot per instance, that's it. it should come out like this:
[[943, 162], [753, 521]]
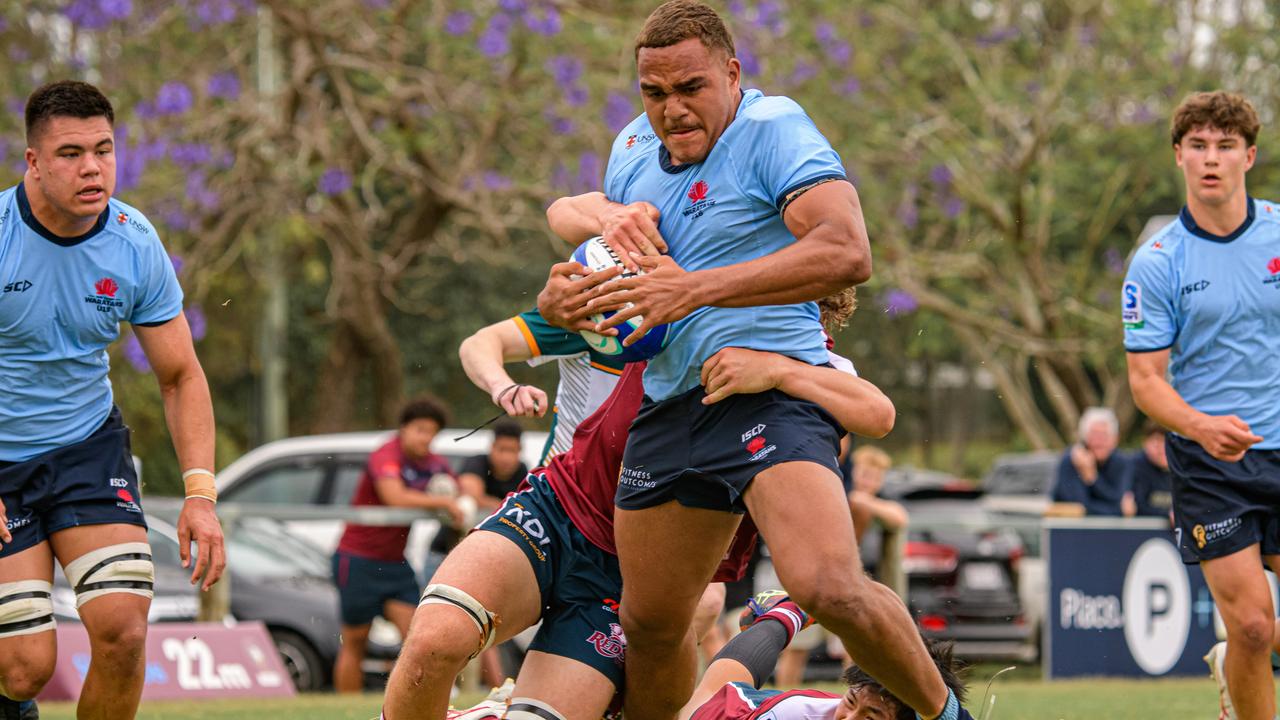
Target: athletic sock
[[757, 648], [793, 619], [950, 711]]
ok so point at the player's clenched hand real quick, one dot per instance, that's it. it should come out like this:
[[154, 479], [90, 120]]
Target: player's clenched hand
[[521, 401], [5, 536], [1225, 437], [663, 294], [739, 371], [199, 523], [563, 302], [632, 228]]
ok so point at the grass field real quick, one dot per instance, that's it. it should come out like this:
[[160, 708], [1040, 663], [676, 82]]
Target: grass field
[[1017, 699]]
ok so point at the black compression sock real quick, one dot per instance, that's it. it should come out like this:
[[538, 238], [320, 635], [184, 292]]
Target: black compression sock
[[757, 648]]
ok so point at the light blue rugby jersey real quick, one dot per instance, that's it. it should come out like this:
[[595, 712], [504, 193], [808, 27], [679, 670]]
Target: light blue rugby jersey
[[61, 304], [722, 211], [1215, 302]]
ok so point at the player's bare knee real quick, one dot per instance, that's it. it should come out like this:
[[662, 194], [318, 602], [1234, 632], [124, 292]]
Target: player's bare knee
[[1252, 635], [658, 629], [440, 643], [834, 601], [123, 638]]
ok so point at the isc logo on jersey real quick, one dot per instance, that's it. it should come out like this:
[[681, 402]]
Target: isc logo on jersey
[[1131, 306], [598, 256]]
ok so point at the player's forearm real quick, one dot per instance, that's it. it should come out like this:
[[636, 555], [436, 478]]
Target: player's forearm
[[577, 218], [858, 405], [1157, 399], [482, 361], [188, 412], [819, 264]]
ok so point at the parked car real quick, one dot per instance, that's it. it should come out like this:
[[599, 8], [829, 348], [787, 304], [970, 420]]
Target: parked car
[[324, 470], [275, 577], [962, 567], [1021, 483]]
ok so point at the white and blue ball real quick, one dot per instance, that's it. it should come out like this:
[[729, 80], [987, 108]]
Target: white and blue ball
[[598, 256]]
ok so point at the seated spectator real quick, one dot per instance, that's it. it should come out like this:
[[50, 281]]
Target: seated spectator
[[1092, 474], [488, 478], [1152, 492]]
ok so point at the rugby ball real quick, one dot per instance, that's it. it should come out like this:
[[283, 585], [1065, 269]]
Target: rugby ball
[[596, 255]]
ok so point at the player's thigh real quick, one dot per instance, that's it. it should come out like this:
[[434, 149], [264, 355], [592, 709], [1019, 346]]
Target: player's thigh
[[112, 614], [1240, 587], [803, 515], [19, 649], [574, 689], [668, 554], [495, 571]]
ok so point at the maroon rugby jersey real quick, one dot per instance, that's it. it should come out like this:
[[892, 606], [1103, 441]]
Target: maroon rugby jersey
[[585, 478]]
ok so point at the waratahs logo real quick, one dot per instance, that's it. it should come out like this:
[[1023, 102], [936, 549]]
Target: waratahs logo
[[699, 203], [756, 444], [106, 286], [1274, 265], [105, 295]]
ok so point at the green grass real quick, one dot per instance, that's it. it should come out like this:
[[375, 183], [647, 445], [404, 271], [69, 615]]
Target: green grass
[[1021, 698]]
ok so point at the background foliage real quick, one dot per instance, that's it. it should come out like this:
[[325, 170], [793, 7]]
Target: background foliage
[[388, 163]]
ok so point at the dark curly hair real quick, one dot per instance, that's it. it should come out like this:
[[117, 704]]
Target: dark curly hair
[[65, 98], [943, 655]]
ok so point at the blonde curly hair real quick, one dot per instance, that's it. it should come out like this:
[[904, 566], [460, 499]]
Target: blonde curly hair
[[836, 309]]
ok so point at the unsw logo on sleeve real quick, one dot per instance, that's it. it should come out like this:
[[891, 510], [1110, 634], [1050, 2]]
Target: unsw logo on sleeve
[[1131, 306]]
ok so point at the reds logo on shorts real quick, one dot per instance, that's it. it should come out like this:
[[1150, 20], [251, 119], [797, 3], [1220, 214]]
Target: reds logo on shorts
[[613, 645]]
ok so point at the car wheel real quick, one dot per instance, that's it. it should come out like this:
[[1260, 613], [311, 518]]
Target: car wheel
[[301, 660]]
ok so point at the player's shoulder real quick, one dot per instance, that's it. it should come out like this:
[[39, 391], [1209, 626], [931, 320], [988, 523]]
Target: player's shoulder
[[8, 208], [635, 141], [1267, 214], [758, 108], [129, 223], [387, 451], [1162, 249]]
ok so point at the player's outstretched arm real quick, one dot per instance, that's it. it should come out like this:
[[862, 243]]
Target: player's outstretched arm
[[188, 411], [483, 355], [1226, 437], [628, 228], [857, 404]]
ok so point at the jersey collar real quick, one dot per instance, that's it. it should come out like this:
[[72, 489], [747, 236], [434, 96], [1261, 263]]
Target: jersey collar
[[24, 209], [1190, 224], [664, 155]]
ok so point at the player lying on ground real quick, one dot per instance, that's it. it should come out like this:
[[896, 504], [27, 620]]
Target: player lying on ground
[[548, 555], [729, 689]]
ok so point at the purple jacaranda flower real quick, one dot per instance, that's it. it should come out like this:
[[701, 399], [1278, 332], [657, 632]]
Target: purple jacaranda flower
[[897, 301], [1088, 35], [908, 214], [19, 54], [618, 111], [130, 163], [513, 6], [16, 105], [544, 22], [590, 171], [86, 15], [334, 181], [1114, 261], [840, 53], [565, 69], [561, 179], [177, 220], [747, 57], [952, 207], [377, 4], [225, 85], [769, 17], [4, 148], [144, 110], [458, 23], [494, 42], [135, 355], [866, 19], [824, 32], [173, 98], [214, 12], [576, 95], [153, 150], [997, 36], [803, 73], [4, 24], [196, 319], [1143, 114], [188, 155], [176, 260], [562, 126], [940, 175], [19, 166], [496, 181], [199, 193], [116, 9], [737, 8]]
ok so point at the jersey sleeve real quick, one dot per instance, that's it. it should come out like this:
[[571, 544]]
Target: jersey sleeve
[[790, 155], [1147, 303], [546, 340], [384, 462], [159, 298]]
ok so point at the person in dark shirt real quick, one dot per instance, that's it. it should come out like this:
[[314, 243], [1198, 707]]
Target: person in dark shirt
[[1152, 483], [1092, 473], [488, 478]]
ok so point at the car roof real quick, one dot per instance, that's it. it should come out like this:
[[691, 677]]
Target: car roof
[[450, 443]]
